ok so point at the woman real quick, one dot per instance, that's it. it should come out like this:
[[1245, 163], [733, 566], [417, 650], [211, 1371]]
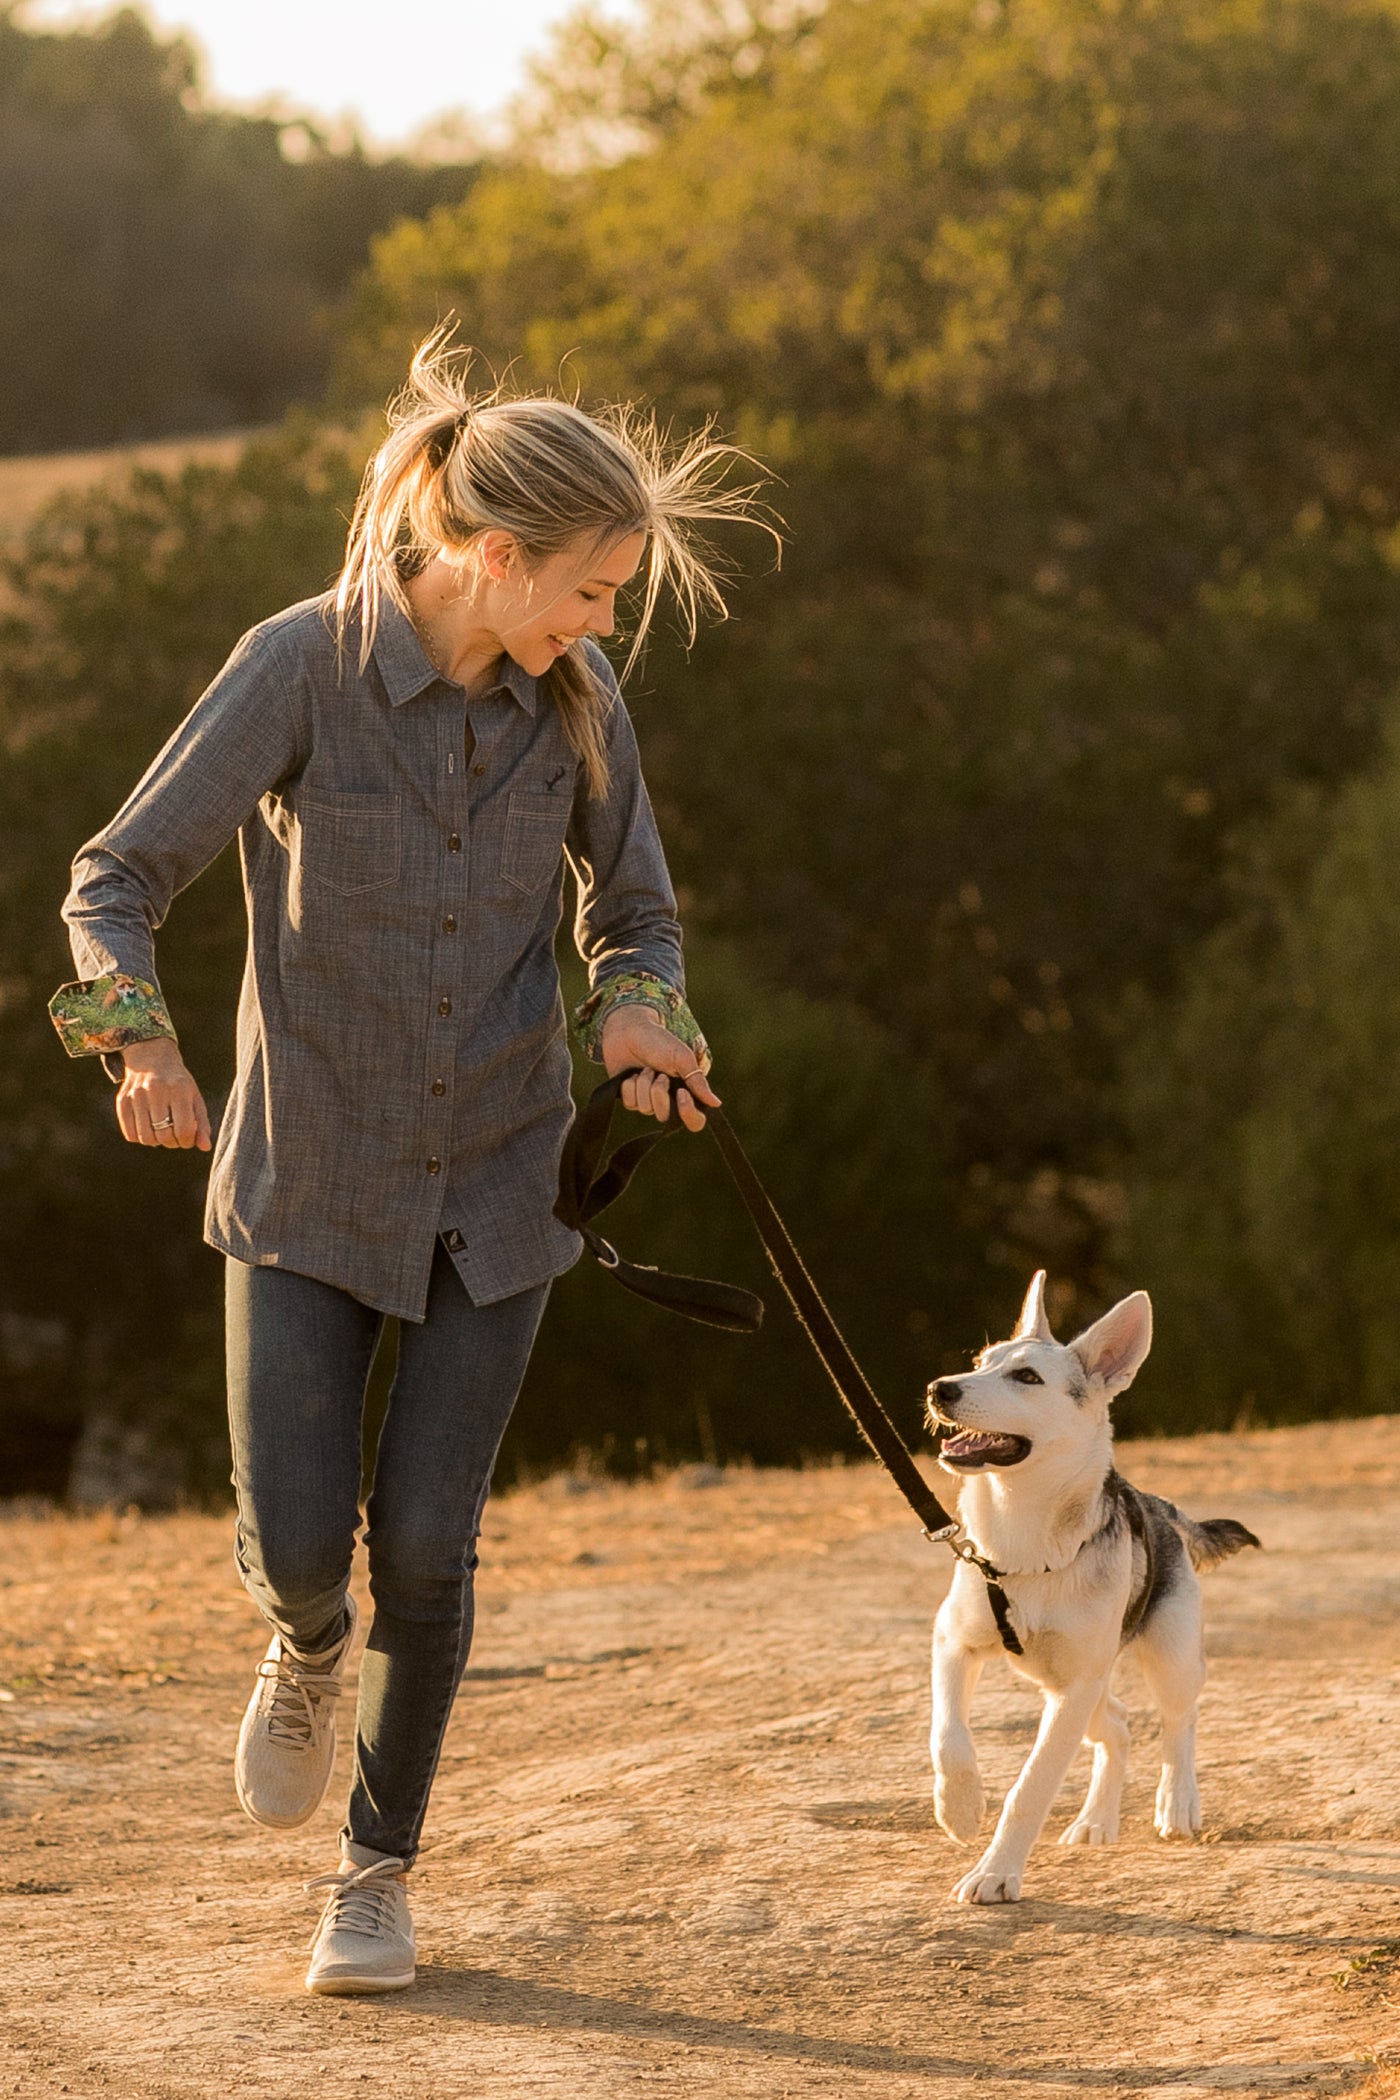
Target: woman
[[408, 763]]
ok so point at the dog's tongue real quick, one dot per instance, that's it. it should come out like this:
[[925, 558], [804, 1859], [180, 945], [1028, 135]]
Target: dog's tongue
[[983, 1447]]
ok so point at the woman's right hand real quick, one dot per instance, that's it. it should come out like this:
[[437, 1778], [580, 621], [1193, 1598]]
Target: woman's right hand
[[156, 1085]]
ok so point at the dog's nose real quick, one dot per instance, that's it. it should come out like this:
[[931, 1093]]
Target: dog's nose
[[942, 1389]]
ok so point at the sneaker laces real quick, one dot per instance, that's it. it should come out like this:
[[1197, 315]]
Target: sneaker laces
[[297, 1689], [361, 1898]]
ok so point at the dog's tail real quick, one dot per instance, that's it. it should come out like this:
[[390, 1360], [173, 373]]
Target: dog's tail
[[1210, 1542]]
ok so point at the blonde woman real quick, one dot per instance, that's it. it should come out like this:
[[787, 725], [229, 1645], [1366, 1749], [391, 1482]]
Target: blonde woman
[[410, 764]]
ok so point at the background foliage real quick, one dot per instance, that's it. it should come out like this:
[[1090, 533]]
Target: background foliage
[[1033, 823], [165, 266]]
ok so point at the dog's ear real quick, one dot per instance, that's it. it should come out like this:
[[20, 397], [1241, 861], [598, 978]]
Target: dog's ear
[[1115, 1348], [1033, 1326]]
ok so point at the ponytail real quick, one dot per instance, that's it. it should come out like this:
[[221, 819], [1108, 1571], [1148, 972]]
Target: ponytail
[[456, 465]]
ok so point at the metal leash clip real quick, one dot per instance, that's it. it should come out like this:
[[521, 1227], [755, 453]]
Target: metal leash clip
[[945, 1537]]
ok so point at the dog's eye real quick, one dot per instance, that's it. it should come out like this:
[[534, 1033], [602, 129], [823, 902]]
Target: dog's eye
[[1024, 1375]]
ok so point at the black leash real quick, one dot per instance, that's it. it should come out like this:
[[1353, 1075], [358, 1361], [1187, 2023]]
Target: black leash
[[589, 1181], [588, 1184]]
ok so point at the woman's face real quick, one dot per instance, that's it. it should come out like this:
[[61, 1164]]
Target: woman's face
[[538, 612]]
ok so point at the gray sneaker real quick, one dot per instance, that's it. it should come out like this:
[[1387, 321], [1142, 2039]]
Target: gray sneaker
[[364, 1941], [286, 1746]]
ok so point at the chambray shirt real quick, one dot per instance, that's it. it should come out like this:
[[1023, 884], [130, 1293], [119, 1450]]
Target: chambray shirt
[[403, 1066]]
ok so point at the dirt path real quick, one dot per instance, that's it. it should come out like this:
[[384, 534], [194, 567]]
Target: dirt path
[[681, 1839]]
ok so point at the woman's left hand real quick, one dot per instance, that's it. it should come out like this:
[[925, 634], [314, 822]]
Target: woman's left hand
[[633, 1035]]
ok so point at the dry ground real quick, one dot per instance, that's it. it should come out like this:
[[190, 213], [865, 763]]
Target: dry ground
[[681, 1839]]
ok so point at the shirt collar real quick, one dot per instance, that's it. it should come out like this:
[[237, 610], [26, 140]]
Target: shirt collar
[[406, 669]]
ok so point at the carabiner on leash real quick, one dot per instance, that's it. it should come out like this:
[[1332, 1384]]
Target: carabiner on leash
[[946, 1537]]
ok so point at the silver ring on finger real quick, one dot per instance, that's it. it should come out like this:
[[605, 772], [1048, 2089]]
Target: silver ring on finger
[[690, 1076], [165, 1123]]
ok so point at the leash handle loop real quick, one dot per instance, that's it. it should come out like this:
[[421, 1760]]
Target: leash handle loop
[[588, 1184]]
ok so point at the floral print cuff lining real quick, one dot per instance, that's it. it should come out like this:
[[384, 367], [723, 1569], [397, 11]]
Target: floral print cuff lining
[[104, 1014], [639, 988]]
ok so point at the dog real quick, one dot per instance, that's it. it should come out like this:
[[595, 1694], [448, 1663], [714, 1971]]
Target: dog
[[1062, 1564]]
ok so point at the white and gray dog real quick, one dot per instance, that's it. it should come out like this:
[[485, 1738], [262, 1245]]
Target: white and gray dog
[[1071, 1565]]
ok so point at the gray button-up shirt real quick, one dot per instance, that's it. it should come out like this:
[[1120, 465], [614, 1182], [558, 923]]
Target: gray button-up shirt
[[403, 1066]]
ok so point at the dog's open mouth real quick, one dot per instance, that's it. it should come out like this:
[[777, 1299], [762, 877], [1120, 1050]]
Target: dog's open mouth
[[984, 1447]]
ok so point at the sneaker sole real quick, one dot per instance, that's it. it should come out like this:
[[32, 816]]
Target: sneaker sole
[[358, 1986]]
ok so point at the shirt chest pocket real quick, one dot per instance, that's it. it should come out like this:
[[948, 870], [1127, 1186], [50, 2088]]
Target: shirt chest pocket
[[350, 842], [533, 845]]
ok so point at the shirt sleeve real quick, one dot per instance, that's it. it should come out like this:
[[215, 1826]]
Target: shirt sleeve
[[626, 929], [639, 988], [238, 741]]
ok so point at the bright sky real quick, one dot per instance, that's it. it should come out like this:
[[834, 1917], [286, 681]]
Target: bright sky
[[395, 64]]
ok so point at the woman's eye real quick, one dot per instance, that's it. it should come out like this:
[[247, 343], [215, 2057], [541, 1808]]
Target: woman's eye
[[1026, 1376], [590, 597]]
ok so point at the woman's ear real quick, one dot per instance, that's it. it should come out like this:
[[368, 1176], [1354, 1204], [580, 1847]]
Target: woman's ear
[[498, 555], [1115, 1348]]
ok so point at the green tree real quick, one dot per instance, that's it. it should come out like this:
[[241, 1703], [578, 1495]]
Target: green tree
[[166, 266], [121, 607], [1068, 325], [1265, 1111], [125, 602]]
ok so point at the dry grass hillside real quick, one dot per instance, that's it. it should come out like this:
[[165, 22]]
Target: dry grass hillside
[[27, 483]]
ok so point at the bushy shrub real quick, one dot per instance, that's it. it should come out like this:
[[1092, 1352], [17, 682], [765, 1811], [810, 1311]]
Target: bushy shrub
[[1069, 327], [1264, 1112], [125, 602]]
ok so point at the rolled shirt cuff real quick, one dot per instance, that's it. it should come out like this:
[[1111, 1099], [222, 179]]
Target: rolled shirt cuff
[[639, 988], [103, 1015]]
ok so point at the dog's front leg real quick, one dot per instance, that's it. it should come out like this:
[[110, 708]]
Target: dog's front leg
[[996, 1878], [957, 1783]]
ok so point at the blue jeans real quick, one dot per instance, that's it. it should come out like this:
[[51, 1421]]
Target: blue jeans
[[299, 1354]]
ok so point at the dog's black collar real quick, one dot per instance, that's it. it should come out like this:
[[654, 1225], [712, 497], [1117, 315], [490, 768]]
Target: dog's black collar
[[1120, 1499]]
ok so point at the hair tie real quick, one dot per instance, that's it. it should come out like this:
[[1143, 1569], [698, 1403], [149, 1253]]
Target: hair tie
[[440, 444]]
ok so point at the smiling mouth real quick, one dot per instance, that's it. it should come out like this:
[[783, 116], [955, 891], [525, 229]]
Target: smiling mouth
[[972, 1448]]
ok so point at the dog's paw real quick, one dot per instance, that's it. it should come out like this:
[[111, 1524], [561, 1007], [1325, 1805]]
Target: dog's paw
[[1178, 1807], [958, 1802], [984, 1885], [1084, 1832]]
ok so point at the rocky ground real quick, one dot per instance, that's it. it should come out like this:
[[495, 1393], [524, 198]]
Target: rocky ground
[[682, 1840]]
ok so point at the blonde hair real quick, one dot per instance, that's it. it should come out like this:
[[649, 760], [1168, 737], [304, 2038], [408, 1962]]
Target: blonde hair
[[456, 465]]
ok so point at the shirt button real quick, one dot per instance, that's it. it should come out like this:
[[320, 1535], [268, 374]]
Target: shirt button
[[454, 844], [435, 1165], [444, 1007], [439, 1086], [449, 924], [478, 770]]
